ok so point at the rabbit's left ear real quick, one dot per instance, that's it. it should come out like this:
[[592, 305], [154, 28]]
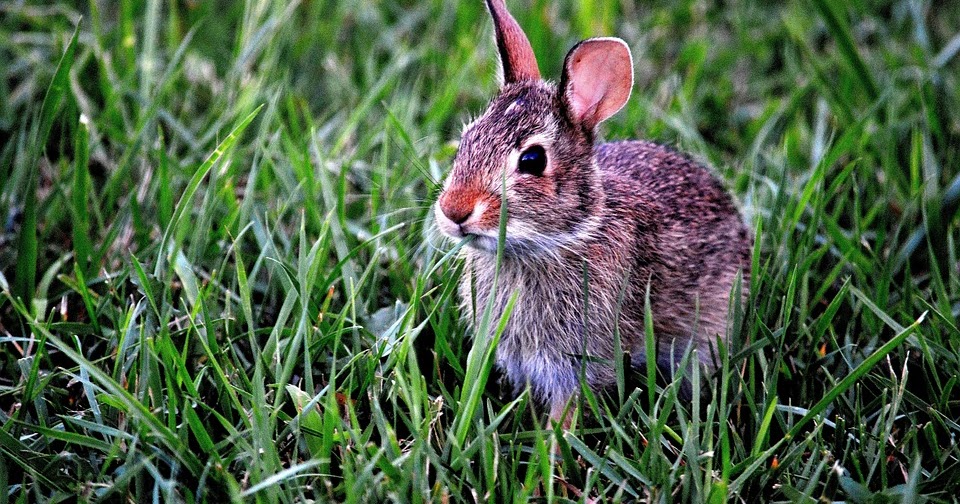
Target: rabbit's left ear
[[597, 80]]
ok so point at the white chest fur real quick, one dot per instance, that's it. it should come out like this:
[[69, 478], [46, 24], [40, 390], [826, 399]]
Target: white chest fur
[[561, 326]]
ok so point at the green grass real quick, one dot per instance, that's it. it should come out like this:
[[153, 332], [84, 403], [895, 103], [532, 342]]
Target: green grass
[[219, 279]]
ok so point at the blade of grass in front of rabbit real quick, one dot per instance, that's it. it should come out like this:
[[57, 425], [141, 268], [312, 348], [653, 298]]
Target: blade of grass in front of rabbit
[[447, 255], [586, 328], [718, 491], [502, 230], [650, 350], [618, 364], [694, 434], [479, 360], [479, 364]]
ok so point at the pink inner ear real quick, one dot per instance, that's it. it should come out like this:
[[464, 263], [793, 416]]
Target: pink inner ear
[[599, 74]]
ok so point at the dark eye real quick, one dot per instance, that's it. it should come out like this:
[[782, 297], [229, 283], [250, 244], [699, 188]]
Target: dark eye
[[533, 161]]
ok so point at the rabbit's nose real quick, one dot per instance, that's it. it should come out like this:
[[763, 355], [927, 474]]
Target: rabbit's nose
[[458, 215], [457, 207]]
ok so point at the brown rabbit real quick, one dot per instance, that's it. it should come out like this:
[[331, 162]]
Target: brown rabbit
[[589, 226]]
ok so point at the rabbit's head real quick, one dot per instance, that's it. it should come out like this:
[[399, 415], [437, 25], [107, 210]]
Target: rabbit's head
[[533, 147]]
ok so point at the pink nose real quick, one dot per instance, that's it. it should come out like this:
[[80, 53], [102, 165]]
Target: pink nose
[[458, 205]]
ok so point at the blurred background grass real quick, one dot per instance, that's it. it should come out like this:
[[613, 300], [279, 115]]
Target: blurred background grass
[[190, 314]]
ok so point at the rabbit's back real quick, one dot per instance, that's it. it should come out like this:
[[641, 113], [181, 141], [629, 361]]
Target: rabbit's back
[[685, 189], [687, 233]]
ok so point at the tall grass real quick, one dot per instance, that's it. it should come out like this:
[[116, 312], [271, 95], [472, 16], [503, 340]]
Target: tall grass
[[219, 279]]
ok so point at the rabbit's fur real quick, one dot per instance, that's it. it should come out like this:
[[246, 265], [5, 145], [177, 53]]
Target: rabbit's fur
[[586, 238]]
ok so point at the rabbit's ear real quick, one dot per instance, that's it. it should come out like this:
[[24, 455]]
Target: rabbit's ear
[[597, 80], [516, 55]]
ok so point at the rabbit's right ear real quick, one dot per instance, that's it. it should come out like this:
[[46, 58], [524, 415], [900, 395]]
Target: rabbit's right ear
[[597, 80], [516, 55]]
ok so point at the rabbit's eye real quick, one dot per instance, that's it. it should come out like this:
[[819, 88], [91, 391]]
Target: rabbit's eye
[[533, 161]]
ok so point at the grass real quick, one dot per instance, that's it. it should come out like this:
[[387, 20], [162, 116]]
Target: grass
[[219, 279]]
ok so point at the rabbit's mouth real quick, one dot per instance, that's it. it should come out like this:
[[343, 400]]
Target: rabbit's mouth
[[475, 239], [478, 240]]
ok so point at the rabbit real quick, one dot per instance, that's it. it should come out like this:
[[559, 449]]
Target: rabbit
[[590, 227]]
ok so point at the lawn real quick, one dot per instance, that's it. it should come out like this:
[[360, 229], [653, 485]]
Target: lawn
[[219, 278]]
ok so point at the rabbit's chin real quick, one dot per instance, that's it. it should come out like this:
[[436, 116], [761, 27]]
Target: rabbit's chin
[[484, 243], [522, 247]]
